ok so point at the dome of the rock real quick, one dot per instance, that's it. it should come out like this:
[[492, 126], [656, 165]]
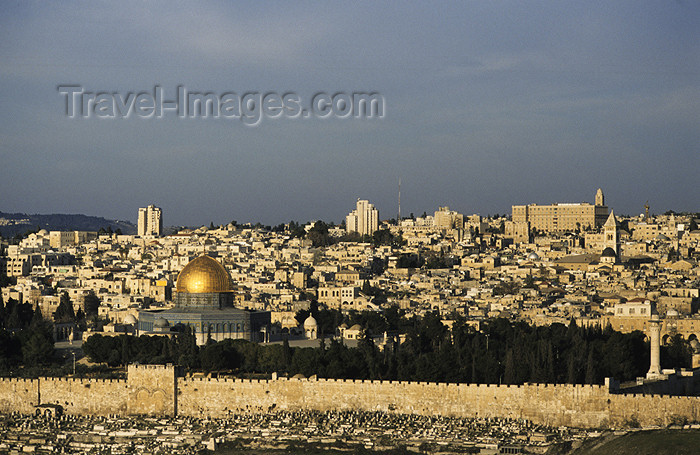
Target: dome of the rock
[[203, 275]]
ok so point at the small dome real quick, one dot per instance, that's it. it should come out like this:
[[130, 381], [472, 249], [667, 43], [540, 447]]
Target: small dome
[[662, 237], [310, 322], [672, 314], [533, 256], [43, 232], [161, 323], [609, 253], [131, 320]]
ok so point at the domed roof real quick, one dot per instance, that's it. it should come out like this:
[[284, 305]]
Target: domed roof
[[43, 232], [130, 319], [310, 322], [609, 253], [161, 323], [533, 256], [203, 275]]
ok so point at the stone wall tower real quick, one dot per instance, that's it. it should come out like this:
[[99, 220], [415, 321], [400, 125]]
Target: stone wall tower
[[152, 390]]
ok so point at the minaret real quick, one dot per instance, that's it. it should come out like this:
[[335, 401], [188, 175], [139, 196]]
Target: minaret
[[655, 342], [646, 212]]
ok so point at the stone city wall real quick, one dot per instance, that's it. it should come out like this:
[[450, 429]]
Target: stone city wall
[[570, 405], [156, 390], [85, 396], [18, 395]]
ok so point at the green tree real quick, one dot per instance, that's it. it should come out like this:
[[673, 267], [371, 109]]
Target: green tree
[[91, 305], [64, 312], [38, 347], [286, 355]]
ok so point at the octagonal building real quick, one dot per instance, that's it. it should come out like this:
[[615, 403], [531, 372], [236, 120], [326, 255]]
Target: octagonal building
[[203, 301]]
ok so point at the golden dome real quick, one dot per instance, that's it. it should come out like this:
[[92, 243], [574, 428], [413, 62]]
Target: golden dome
[[202, 275]]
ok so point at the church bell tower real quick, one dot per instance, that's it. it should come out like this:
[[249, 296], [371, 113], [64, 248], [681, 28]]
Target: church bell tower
[[611, 231]]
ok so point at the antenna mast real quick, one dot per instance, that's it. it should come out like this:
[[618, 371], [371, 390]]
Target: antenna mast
[[398, 219]]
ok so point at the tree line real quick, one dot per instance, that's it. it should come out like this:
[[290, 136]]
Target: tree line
[[502, 352], [26, 338]]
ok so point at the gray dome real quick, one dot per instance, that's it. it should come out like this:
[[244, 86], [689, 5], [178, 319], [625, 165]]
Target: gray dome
[[533, 256], [131, 320], [609, 253], [161, 323]]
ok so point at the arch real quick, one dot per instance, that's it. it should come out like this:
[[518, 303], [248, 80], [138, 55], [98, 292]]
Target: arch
[[665, 339], [152, 403], [158, 400], [692, 337]]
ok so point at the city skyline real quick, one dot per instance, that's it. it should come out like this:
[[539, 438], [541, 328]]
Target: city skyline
[[487, 105], [245, 219]]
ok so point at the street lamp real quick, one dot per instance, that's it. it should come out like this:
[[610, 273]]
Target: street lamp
[[73, 353]]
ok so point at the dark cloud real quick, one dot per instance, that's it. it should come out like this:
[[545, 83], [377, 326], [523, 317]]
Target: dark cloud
[[488, 104]]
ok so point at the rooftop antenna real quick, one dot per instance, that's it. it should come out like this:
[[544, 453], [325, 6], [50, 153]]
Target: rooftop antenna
[[398, 220]]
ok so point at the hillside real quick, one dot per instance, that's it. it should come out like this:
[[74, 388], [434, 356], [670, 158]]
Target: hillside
[[19, 223], [650, 442]]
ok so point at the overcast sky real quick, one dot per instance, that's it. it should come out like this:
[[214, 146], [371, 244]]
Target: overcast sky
[[487, 104]]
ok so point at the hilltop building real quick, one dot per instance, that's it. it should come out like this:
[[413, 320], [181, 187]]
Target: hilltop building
[[448, 219], [150, 221], [204, 303], [364, 219], [563, 216]]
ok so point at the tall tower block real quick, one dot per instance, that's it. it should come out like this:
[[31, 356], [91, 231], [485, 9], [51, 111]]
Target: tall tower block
[[599, 197], [150, 221]]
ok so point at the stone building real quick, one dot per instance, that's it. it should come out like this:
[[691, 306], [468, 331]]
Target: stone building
[[563, 216]]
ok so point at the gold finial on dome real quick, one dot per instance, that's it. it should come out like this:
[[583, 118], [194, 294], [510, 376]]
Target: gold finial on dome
[[203, 275]]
